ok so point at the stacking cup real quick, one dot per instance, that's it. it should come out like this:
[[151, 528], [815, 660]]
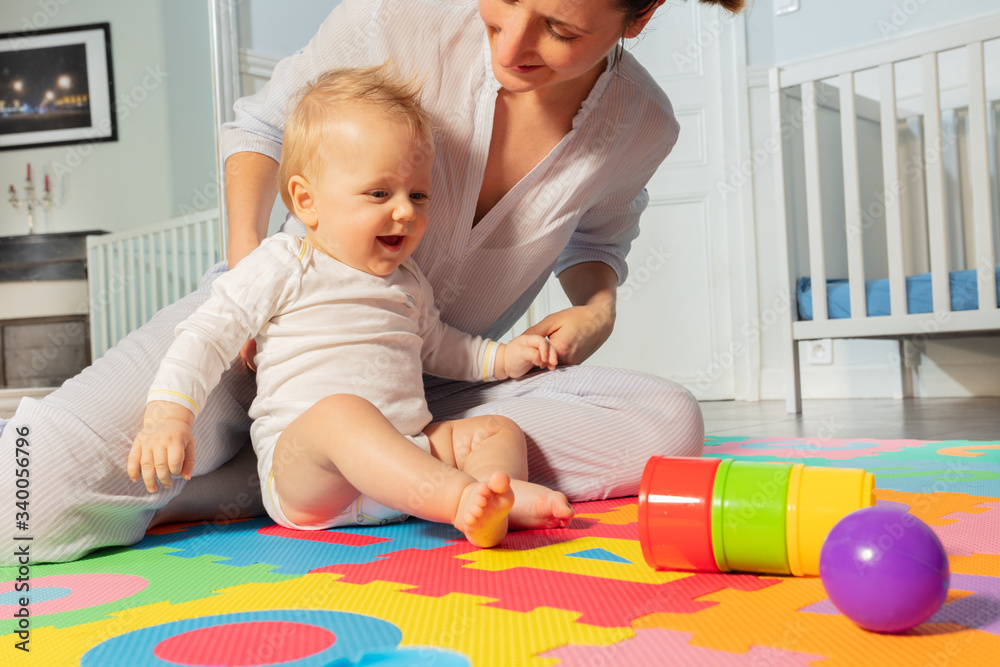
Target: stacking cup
[[817, 499], [749, 502], [675, 503]]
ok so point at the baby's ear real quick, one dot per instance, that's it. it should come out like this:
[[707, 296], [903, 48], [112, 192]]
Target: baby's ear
[[301, 193]]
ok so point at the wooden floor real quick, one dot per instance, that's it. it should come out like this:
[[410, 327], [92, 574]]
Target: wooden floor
[[912, 418]]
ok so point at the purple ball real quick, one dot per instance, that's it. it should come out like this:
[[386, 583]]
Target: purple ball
[[884, 569]]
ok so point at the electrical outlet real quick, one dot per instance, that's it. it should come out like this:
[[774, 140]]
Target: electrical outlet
[[819, 352], [785, 6]]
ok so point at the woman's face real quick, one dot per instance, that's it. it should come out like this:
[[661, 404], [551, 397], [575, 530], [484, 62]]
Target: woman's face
[[537, 43]]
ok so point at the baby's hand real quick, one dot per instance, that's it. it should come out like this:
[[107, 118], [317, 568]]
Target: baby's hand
[[524, 353], [164, 446]]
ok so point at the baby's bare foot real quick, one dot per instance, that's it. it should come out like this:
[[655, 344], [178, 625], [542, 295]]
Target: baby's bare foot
[[482, 512], [537, 506]]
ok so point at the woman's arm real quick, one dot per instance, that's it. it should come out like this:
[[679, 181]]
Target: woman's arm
[[578, 332], [251, 186]]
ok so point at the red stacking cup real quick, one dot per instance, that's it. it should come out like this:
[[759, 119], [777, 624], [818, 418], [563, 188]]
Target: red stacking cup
[[675, 513]]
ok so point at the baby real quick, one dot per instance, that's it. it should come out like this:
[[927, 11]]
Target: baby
[[345, 326]]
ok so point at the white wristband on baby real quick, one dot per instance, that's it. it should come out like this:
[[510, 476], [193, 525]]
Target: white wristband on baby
[[489, 363]]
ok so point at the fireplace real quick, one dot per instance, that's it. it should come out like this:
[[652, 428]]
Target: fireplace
[[43, 351]]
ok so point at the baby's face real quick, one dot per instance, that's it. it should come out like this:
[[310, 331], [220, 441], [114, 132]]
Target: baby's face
[[372, 193]]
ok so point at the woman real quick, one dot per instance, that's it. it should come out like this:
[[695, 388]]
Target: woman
[[547, 136]]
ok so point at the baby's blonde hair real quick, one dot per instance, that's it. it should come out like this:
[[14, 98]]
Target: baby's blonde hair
[[324, 101]]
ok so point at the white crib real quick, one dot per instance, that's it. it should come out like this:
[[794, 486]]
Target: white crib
[[932, 206], [134, 273]]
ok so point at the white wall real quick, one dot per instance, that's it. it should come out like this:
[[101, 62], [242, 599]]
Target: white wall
[[267, 26], [191, 123], [129, 182], [861, 368]]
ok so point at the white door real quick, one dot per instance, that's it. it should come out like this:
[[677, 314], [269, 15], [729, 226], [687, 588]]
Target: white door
[[674, 311]]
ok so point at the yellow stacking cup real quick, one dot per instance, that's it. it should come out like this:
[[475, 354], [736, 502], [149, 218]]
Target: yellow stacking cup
[[817, 499]]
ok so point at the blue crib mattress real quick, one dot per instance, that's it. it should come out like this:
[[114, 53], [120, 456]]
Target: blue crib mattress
[[964, 295]]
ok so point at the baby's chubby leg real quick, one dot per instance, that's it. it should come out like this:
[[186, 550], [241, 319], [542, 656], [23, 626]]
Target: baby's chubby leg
[[482, 445], [343, 446]]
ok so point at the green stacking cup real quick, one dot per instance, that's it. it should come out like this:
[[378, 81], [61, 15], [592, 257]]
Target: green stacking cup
[[749, 504]]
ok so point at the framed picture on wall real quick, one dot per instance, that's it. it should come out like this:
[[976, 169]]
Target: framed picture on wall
[[57, 87]]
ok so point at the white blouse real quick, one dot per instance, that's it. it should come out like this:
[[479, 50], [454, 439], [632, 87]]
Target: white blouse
[[581, 203]]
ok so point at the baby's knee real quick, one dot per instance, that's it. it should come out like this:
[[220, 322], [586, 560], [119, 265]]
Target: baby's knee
[[483, 428], [494, 425]]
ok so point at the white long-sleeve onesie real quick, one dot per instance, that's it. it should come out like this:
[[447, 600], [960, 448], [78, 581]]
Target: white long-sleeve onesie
[[322, 328]]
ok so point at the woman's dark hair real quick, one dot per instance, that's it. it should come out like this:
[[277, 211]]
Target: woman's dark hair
[[632, 10]]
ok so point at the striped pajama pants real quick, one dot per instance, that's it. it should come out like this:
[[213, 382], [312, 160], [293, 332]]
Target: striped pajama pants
[[590, 431]]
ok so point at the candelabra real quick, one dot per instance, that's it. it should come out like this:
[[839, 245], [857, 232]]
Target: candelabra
[[31, 201]]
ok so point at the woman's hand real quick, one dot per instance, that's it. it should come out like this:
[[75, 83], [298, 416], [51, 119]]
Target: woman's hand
[[577, 332], [164, 447]]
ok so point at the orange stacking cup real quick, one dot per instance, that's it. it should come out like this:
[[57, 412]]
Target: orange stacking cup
[[675, 513], [817, 499]]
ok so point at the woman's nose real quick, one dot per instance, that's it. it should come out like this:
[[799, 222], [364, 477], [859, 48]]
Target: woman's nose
[[514, 40]]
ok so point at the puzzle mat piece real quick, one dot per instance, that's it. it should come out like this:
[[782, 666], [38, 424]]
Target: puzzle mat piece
[[987, 565], [166, 579], [966, 524], [622, 512], [489, 637], [966, 449], [956, 475], [972, 464], [248, 542], [296, 638], [260, 540], [553, 557], [597, 553], [783, 449], [608, 602], [917, 466], [771, 617], [973, 601], [656, 646]]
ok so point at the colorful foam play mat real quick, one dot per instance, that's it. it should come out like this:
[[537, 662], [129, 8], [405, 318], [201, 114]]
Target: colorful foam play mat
[[250, 593]]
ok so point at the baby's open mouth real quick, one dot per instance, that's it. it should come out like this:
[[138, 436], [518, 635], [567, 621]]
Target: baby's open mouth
[[393, 242]]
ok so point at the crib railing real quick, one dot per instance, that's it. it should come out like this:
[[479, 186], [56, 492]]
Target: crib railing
[[842, 71], [134, 273]]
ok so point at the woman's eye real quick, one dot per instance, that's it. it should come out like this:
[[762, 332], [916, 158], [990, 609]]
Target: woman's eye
[[557, 36]]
